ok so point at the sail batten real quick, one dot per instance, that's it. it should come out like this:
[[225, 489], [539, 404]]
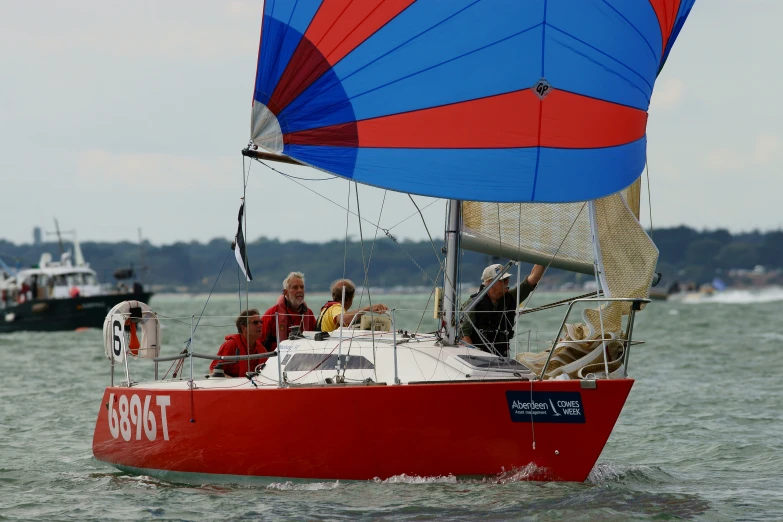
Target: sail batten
[[486, 100]]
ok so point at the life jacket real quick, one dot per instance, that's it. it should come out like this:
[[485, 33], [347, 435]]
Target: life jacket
[[235, 344], [328, 304], [286, 319], [496, 326]]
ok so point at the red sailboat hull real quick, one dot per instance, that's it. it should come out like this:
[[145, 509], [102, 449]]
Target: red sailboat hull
[[361, 432]]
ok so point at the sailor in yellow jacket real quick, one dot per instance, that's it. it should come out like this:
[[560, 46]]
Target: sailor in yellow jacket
[[329, 318]]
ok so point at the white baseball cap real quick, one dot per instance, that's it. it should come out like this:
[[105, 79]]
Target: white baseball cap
[[491, 271]]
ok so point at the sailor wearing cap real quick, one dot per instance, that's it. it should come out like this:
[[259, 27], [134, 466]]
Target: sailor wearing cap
[[489, 326]]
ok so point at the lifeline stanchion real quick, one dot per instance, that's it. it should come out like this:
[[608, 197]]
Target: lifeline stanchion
[[342, 316], [190, 346], [277, 349]]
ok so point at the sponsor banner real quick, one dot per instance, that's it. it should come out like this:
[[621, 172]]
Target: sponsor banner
[[525, 406]]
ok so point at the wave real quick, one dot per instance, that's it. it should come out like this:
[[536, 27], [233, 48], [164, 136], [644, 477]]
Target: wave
[[303, 486], [762, 295], [603, 473]]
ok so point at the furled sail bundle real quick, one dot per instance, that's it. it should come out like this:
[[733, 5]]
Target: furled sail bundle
[[485, 100]]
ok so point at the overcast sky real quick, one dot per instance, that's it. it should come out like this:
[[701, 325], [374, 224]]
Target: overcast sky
[[116, 116]]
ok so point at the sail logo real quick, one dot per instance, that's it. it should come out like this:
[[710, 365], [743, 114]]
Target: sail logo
[[130, 414], [542, 88], [565, 407]]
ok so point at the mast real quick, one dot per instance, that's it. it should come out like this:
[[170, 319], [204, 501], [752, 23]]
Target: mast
[[78, 257], [59, 237], [143, 267], [450, 277]]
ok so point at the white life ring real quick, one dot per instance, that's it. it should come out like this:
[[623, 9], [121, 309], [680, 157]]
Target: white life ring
[[119, 337]]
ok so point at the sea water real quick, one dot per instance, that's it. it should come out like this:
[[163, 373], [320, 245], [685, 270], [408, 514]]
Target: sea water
[[700, 438]]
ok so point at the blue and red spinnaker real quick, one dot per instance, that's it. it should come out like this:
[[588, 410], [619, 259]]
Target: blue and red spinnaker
[[485, 100]]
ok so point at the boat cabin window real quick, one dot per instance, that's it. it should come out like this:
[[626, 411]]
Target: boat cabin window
[[304, 362], [75, 279], [503, 363], [59, 280], [90, 279]]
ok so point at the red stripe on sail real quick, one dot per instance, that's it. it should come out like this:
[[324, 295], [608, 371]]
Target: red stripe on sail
[[342, 135], [341, 25], [666, 11], [572, 121], [306, 65], [338, 28], [510, 120], [481, 123]]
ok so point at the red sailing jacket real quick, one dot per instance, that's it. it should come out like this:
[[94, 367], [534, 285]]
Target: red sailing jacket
[[287, 317], [236, 344]]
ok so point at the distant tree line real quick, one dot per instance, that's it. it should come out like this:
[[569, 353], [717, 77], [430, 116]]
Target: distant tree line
[[685, 255], [689, 255]]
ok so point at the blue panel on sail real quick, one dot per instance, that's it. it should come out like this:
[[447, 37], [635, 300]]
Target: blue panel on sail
[[373, 92], [284, 22], [452, 174], [583, 171]]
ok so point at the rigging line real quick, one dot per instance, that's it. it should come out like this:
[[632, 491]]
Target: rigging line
[[410, 257], [376, 225], [482, 337], [187, 343], [500, 232], [308, 179], [372, 251], [428, 205], [365, 266], [432, 243], [347, 216], [375, 238], [557, 303], [432, 292], [239, 281], [319, 195], [598, 267], [519, 275], [239, 290], [532, 292], [649, 196], [437, 361], [244, 260], [387, 231], [366, 277], [440, 263]]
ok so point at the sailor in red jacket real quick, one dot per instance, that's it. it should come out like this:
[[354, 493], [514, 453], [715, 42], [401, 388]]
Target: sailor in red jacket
[[249, 328], [291, 311]]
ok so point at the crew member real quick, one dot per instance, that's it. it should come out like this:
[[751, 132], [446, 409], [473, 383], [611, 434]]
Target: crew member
[[489, 326], [291, 310], [248, 336], [329, 318]]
